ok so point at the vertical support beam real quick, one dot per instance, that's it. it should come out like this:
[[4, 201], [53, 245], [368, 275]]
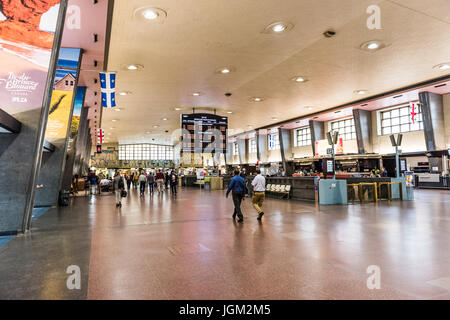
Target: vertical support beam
[[285, 149], [363, 126], [317, 133], [229, 154], [433, 120], [242, 150], [261, 146]]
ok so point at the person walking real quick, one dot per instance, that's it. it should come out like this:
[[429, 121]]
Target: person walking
[[237, 186], [135, 179], [160, 181], [173, 182], [119, 186], [142, 183], [129, 178], [151, 182], [167, 180], [259, 193]]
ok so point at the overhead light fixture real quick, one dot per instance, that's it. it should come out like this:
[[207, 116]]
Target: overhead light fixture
[[150, 13], [177, 109], [257, 99], [135, 67], [229, 112], [309, 108], [299, 79], [164, 119], [114, 120], [124, 93], [112, 128], [360, 91], [155, 126], [274, 118], [225, 70], [117, 109], [278, 27], [443, 66], [372, 45], [196, 94]]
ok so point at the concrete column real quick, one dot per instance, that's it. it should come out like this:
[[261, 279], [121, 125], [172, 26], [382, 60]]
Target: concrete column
[[285, 149], [261, 146], [433, 120], [317, 133], [242, 151], [363, 126]]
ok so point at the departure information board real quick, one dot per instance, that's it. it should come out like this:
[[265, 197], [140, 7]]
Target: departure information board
[[204, 133]]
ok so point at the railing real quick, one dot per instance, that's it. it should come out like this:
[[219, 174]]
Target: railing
[[389, 190], [371, 196]]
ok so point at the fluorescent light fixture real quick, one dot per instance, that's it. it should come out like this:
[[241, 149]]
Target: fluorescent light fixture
[[360, 91]]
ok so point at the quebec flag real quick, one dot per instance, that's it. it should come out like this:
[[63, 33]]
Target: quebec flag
[[108, 84]]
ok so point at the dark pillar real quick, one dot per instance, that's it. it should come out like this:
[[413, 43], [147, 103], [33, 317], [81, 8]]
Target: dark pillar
[[261, 146], [363, 126], [317, 133], [432, 105], [242, 150], [285, 149]]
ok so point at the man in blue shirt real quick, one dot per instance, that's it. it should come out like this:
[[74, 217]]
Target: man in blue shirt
[[238, 188]]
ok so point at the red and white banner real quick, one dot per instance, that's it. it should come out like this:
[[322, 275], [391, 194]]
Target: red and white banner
[[100, 136]]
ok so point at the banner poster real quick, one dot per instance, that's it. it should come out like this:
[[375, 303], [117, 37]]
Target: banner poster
[[27, 30], [63, 93], [76, 116]]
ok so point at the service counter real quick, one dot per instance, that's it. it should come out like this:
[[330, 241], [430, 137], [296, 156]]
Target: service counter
[[431, 181]]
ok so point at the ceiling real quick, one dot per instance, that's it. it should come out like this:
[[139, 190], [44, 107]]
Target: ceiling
[[182, 52]]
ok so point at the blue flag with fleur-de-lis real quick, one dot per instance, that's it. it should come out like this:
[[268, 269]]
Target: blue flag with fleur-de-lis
[[108, 85]]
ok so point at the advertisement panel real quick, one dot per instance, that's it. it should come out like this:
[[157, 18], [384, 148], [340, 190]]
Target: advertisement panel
[[63, 93], [27, 33]]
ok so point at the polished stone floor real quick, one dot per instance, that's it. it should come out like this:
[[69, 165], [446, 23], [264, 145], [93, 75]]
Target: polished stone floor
[[188, 247]]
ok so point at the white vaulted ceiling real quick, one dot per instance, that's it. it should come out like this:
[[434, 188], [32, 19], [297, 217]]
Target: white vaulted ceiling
[[181, 53]]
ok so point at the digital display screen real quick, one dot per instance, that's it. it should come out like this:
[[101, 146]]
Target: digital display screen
[[204, 133]]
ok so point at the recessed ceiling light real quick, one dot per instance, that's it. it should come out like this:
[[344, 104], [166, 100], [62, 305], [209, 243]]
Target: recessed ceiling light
[[309, 108], [149, 14], [117, 109], [274, 118], [225, 70], [124, 93], [196, 94], [257, 99], [278, 27], [164, 119], [155, 126], [372, 45], [229, 112], [360, 91], [443, 66], [177, 109], [114, 120], [135, 67], [299, 79], [112, 128]]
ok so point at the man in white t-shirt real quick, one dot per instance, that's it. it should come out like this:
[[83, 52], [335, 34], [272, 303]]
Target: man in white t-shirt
[[259, 193]]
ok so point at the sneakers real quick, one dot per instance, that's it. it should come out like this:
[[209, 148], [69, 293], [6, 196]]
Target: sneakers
[[260, 215]]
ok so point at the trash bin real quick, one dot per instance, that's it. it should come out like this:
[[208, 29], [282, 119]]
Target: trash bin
[[207, 183], [64, 198]]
